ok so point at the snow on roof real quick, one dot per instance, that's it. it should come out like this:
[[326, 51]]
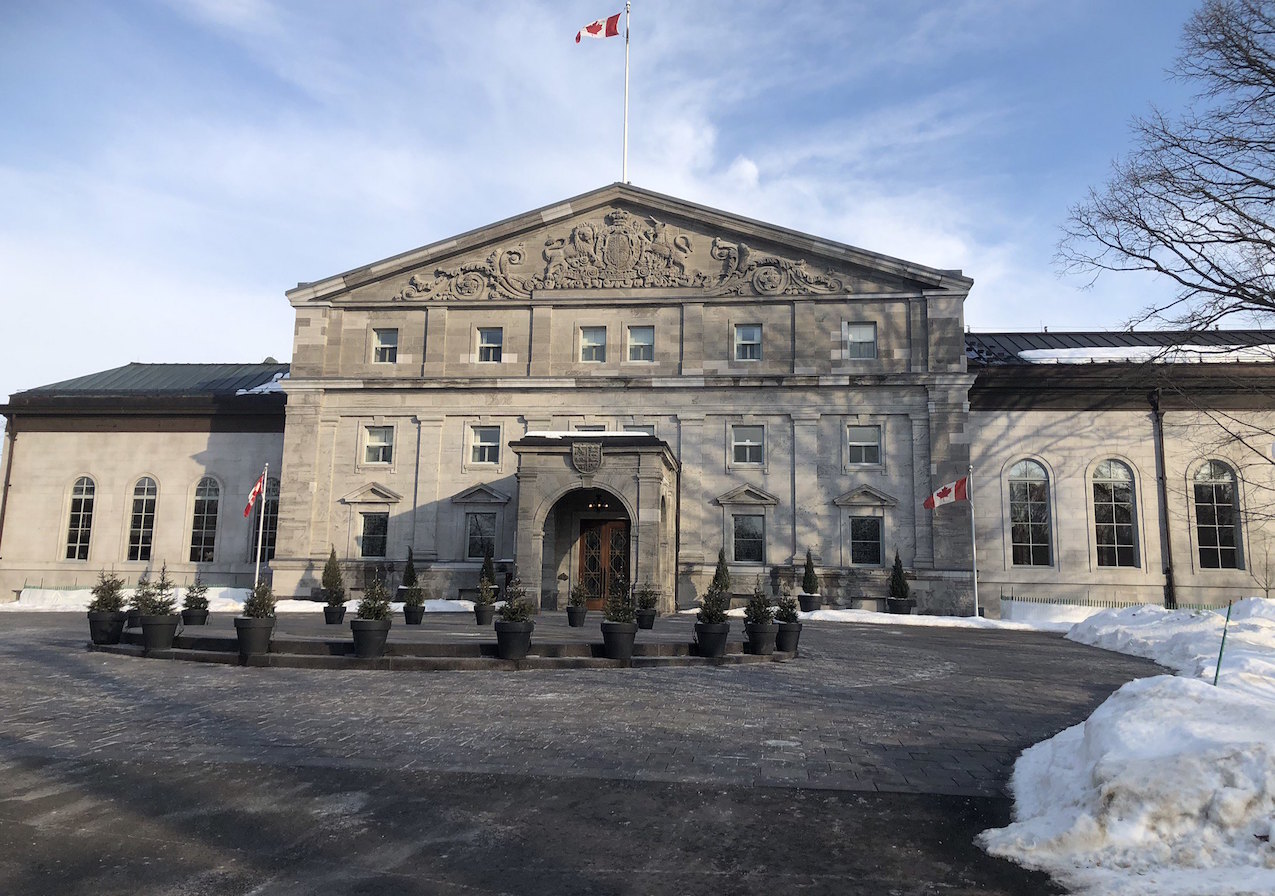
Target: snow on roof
[[274, 384], [1149, 353]]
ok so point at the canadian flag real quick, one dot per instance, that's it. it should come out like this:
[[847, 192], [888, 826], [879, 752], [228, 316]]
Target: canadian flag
[[953, 491], [608, 27], [255, 493]]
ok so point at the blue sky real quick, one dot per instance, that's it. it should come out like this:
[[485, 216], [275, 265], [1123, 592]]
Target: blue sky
[[169, 167]]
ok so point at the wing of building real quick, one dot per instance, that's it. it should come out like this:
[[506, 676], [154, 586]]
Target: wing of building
[[621, 386]]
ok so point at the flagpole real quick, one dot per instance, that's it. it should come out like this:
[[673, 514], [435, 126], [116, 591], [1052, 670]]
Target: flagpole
[[969, 494], [261, 523], [624, 164]]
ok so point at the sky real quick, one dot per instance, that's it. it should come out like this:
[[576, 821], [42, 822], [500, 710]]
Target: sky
[[168, 168]]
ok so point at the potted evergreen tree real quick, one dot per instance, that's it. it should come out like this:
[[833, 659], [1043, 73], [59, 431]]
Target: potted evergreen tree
[[789, 632], [809, 596], [157, 611], [721, 576], [333, 591], [412, 593], [106, 610], [577, 605], [515, 625], [485, 602], [900, 600], [647, 597], [619, 624], [195, 603], [371, 625], [759, 623], [143, 587], [712, 627], [256, 625]]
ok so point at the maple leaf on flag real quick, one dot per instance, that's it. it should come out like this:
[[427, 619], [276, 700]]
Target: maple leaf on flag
[[943, 492]]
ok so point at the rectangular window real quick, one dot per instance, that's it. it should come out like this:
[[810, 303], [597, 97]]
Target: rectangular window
[[749, 538], [81, 525], [376, 526], [865, 540], [748, 444], [748, 342], [378, 444], [485, 445], [863, 445], [593, 344], [384, 346], [141, 527], [491, 344], [861, 341], [203, 527], [641, 343], [480, 535]]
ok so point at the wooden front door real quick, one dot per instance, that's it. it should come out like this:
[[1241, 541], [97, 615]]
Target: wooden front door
[[604, 557]]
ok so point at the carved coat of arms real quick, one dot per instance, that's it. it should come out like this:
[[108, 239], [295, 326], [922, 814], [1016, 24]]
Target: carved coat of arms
[[586, 456]]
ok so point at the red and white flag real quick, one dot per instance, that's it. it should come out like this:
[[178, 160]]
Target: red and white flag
[[953, 491], [608, 27], [255, 493]]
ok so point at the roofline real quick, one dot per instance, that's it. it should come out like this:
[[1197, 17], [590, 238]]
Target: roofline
[[395, 264]]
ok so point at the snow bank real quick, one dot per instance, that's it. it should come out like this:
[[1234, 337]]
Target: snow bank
[[1169, 787], [872, 617], [1028, 611], [220, 600]]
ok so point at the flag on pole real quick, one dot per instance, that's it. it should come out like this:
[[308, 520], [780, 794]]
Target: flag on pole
[[953, 491], [255, 493], [608, 27]]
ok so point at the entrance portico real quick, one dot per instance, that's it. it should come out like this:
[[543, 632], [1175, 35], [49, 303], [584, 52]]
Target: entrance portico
[[595, 507]]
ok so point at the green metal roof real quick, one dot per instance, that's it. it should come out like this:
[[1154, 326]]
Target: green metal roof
[[161, 380]]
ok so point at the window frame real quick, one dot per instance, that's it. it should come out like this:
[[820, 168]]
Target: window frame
[[496, 349], [269, 505], [742, 352], [205, 549], [1234, 527], [386, 447], [475, 445], [597, 348], [141, 538], [468, 533], [79, 528], [736, 444], [851, 444], [1031, 545], [383, 350], [1114, 549], [646, 346], [851, 354], [365, 516], [878, 520], [759, 539]]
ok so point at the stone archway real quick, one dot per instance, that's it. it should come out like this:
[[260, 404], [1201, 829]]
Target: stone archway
[[560, 473]]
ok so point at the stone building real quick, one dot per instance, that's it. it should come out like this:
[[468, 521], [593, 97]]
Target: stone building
[[617, 387]]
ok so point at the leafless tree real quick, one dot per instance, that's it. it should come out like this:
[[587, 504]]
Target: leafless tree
[[1195, 200]]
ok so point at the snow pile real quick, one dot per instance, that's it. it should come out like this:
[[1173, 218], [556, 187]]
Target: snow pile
[[220, 600], [1140, 354], [872, 617], [1169, 787]]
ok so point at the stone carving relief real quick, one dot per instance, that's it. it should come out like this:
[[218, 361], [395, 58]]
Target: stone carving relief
[[620, 251], [586, 456]]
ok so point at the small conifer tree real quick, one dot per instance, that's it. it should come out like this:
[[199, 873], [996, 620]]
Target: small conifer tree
[[758, 611], [143, 594], [376, 600], [108, 594], [196, 597], [899, 588], [260, 603], [809, 581], [516, 608], [619, 605], [489, 569], [333, 583], [787, 610], [409, 571], [713, 606], [721, 575]]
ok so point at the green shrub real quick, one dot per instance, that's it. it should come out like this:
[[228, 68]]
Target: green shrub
[[486, 592], [787, 609], [154, 598], [409, 571], [413, 596], [108, 594], [619, 606], [578, 596], [721, 575], [333, 583], [647, 596], [488, 570], [260, 603], [899, 588], [809, 581], [517, 607], [376, 600], [713, 606], [758, 611], [196, 597]]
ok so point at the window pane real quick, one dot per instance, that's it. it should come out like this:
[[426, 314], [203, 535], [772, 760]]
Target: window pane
[[864, 444], [749, 538], [269, 505], [385, 346], [641, 343], [748, 342], [80, 527], [593, 343], [748, 444], [375, 529], [486, 445], [379, 447], [861, 341], [480, 538], [491, 342], [203, 528], [141, 530], [1029, 514], [1216, 516], [865, 540]]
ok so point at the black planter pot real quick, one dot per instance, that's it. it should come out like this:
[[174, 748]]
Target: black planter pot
[[253, 634], [413, 615], [106, 628], [158, 632], [711, 638], [761, 638], [194, 617], [787, 637], [132, 619], [645, 618], [369, 637], [575, 616], [809, 602], [334, 615], [902, 606], [484, 613], [617, 639], [513, 639]]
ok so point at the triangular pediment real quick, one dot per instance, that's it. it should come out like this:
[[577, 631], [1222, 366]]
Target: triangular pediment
[[865, 496], [372, 493], [624, 238], [481, 494], [747, 494]]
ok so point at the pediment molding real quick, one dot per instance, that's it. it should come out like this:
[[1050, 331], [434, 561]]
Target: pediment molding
[[480, 494], [747, 494], [372, 493], [865, 496]]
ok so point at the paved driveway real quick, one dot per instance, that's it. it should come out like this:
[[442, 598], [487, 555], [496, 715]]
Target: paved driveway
[[864, 766]]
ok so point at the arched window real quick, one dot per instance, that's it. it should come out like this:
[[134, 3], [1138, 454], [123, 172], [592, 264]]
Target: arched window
[[81, 525], [1115, 527], [1216, 516], [1029, 514], [269, 505], [203, 527], [141, 525]]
